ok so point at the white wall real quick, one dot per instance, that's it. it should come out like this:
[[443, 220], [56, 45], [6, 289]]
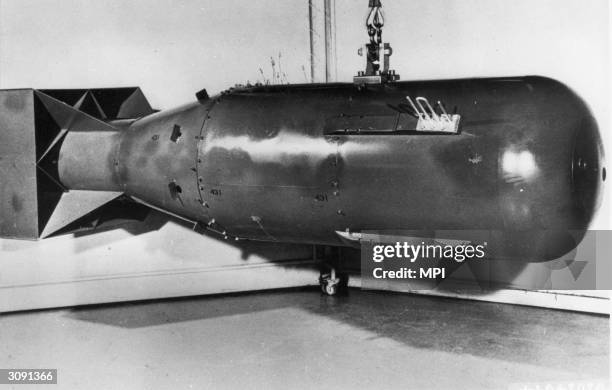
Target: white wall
[[170, 48], [157, 259]]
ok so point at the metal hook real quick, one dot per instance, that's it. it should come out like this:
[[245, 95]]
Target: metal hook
[[420, 100], [414, 107], [444, 115], [379, 19]]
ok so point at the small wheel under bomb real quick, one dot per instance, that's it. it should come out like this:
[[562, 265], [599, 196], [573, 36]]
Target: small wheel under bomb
[[328, 288], [328, 285], [331, 283]]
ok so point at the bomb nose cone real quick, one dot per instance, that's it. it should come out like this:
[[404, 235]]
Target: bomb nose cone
[[588, 170]]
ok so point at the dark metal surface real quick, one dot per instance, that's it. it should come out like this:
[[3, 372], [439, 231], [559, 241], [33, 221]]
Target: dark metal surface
[[157, 160], [298, 163], [266, 151]]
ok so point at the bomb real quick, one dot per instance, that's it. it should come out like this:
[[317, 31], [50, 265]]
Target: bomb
[[521, 156]]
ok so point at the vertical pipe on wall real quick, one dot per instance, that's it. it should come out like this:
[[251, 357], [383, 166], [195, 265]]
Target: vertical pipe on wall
[[330, 41], [322, 33], [311, 34]]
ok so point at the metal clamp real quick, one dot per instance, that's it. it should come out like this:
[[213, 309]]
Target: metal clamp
[[430, 120]]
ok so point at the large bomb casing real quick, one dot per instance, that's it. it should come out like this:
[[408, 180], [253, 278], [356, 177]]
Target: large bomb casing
[[299, 163]]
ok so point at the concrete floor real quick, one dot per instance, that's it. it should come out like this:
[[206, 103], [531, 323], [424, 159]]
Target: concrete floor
[[300, 339]]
